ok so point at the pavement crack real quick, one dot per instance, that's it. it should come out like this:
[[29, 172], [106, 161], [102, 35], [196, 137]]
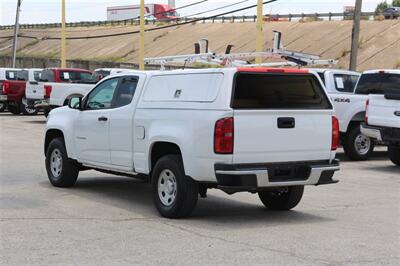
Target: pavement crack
[[292, 254]]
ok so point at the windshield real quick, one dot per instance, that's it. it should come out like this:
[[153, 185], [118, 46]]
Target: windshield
[[378, 83], [171, 13]]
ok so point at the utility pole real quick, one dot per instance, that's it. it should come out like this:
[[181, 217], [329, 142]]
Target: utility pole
[[141, 41], [355, 35], [63, 37], [260, 31], [16, 32]]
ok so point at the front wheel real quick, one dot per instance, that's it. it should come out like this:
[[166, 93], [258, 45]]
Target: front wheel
[[26, 110], [174, 194], [61, 171], [394, 154], [283, 198], [357, 146]]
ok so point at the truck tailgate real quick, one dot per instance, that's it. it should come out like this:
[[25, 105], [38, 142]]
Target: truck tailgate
[[268, 136], [280, 118], [383, 112], [34, 91]]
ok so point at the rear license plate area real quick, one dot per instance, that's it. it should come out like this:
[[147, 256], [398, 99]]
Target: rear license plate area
[[289, 173]]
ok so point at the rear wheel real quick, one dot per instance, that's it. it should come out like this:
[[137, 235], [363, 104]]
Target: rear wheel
[[174, 194], [357, 146], [61, 171], [2, 107], [394, 154], [26, 110], [283, 198], [14, 109]]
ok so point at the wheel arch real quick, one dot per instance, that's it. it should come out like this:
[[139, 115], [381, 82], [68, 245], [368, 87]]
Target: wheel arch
[[159, 149], [357, 118], [50, 135]]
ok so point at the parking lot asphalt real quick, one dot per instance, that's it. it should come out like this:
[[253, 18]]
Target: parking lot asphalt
[[111, 220]]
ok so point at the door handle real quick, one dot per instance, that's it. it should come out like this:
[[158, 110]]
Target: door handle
[[102, 119], [286, 122]]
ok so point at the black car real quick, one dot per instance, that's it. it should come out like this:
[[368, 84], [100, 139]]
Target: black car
[[392, 12]]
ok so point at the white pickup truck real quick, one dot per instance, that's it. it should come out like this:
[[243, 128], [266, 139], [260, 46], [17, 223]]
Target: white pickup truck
[[57, 86], [266, 131], [382, 120], [349, 106]]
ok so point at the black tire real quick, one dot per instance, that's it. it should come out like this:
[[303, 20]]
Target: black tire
[[3, 106], [282, 199], [187, 189], [14, 109], [394, 154], [69, 168], [352, 136], [46, 111], [26, 110]]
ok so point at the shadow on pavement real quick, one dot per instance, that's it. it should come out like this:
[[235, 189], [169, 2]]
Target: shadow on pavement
[[391, 169], [136, 197], [36, 122], [375, 156]]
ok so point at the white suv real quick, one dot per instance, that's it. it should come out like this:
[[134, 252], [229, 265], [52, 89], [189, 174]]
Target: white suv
[[266, 131]]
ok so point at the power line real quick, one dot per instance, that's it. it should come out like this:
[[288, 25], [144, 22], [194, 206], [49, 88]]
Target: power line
[[218, 8], [147, 30]]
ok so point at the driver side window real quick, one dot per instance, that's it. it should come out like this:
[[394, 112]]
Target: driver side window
[[102, 96]]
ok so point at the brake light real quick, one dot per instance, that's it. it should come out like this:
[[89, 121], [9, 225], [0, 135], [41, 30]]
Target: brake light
[[223, 136], [366, 111], [6, 87], [47, 91], [335, 133]]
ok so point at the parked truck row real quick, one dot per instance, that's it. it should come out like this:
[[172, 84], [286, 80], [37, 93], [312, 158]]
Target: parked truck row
[[274, 130], [27, 91]]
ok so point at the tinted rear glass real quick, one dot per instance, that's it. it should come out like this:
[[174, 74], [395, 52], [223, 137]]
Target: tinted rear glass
[[22, 75], [16, 75], [77, 77], [378, 83], [345, 83], [272, 91], [47, 76]]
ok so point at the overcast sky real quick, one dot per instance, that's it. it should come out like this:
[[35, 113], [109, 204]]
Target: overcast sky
[[46, 11]]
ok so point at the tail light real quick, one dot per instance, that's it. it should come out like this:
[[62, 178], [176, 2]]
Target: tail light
[[6, 87], [335, 133], [223, 136], [366, 111], [47, 91]]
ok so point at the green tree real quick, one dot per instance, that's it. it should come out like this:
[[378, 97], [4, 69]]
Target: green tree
[[381, 6], [396, 3]]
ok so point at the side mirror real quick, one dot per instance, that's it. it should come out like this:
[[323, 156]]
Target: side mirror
[[75, 103]]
